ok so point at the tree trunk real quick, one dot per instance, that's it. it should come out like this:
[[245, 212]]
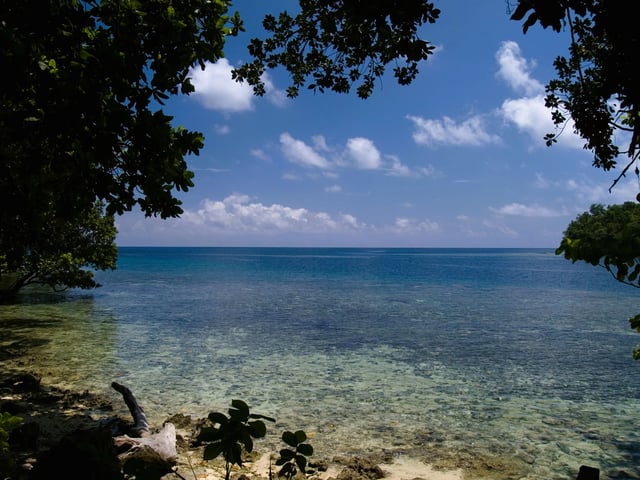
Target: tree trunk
[[147, 452]]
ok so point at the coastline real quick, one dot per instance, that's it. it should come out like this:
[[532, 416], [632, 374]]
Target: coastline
[[53, 414]]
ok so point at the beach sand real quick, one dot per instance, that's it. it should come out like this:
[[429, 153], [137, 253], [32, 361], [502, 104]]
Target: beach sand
[[400, 469]]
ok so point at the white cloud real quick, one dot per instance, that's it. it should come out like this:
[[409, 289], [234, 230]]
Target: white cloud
[[516, 70], [408, 225], [320, 143], [259, 153], [530, 116], [529, 113], [222, 129], [216, 90], [447, 132], [363, 153], [359, 152], [589, 192], [521, 210], [276, 96], [298, 152], [238, 213], [398, 169], [333, 189]]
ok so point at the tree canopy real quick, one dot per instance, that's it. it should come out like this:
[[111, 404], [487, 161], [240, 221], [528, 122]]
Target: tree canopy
[[331, 45], [81, 117], [58, 258], [598, 84], [608, 237]]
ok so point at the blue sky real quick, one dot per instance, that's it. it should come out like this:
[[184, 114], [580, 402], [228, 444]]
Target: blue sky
[[456, 159]]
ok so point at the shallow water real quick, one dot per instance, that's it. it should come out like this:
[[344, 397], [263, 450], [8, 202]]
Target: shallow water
[[514, 363]]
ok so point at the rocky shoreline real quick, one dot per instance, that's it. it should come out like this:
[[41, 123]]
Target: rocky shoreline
[[69, 435]]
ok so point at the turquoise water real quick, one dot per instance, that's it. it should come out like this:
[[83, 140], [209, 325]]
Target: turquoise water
[[513, 363]]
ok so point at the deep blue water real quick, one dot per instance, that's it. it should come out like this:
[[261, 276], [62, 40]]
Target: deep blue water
[[517, 354]]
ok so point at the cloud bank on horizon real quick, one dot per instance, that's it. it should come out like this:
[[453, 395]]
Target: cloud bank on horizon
[[390, 176]]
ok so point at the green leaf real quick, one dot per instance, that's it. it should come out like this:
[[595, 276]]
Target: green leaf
[[239, 410], [286, 454], [212, 450], [235, 454], [301, 461], [209, 434], [287, 469], [300, 436], [217, 417], [257, 429], [305, 449], [289, 438]]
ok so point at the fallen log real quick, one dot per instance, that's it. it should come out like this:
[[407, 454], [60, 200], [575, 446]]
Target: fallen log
[[148, 452]]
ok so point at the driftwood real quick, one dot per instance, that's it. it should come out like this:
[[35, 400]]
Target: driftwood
[[149, 452]]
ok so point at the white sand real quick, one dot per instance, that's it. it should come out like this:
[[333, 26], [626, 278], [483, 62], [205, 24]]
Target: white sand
[[401, 469], [409, 469]]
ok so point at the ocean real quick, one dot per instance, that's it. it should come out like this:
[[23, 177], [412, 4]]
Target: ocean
[[509, 363]]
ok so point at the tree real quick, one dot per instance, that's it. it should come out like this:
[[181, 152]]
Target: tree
[[598, 85], [608, 237], [81, 120], [81, 112], [59, 257], [330, 45]]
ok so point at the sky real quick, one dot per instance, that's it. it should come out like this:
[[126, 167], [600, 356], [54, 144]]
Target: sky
[[456, 159]]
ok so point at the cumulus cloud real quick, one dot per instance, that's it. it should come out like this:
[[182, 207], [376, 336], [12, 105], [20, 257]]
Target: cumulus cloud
[[528, 113], [238, 213], [216, 90], [516, 70], [298, 152], [447, 132], [409, 225], [521, 210], [359, 152], [363, 153]]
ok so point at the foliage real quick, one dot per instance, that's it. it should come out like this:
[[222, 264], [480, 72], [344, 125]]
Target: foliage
[[338, 43], [598, 84], [227, 436], [608, 237], [294, 458], [81, 120], [79, 114], [7, 423], [57, 254]]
